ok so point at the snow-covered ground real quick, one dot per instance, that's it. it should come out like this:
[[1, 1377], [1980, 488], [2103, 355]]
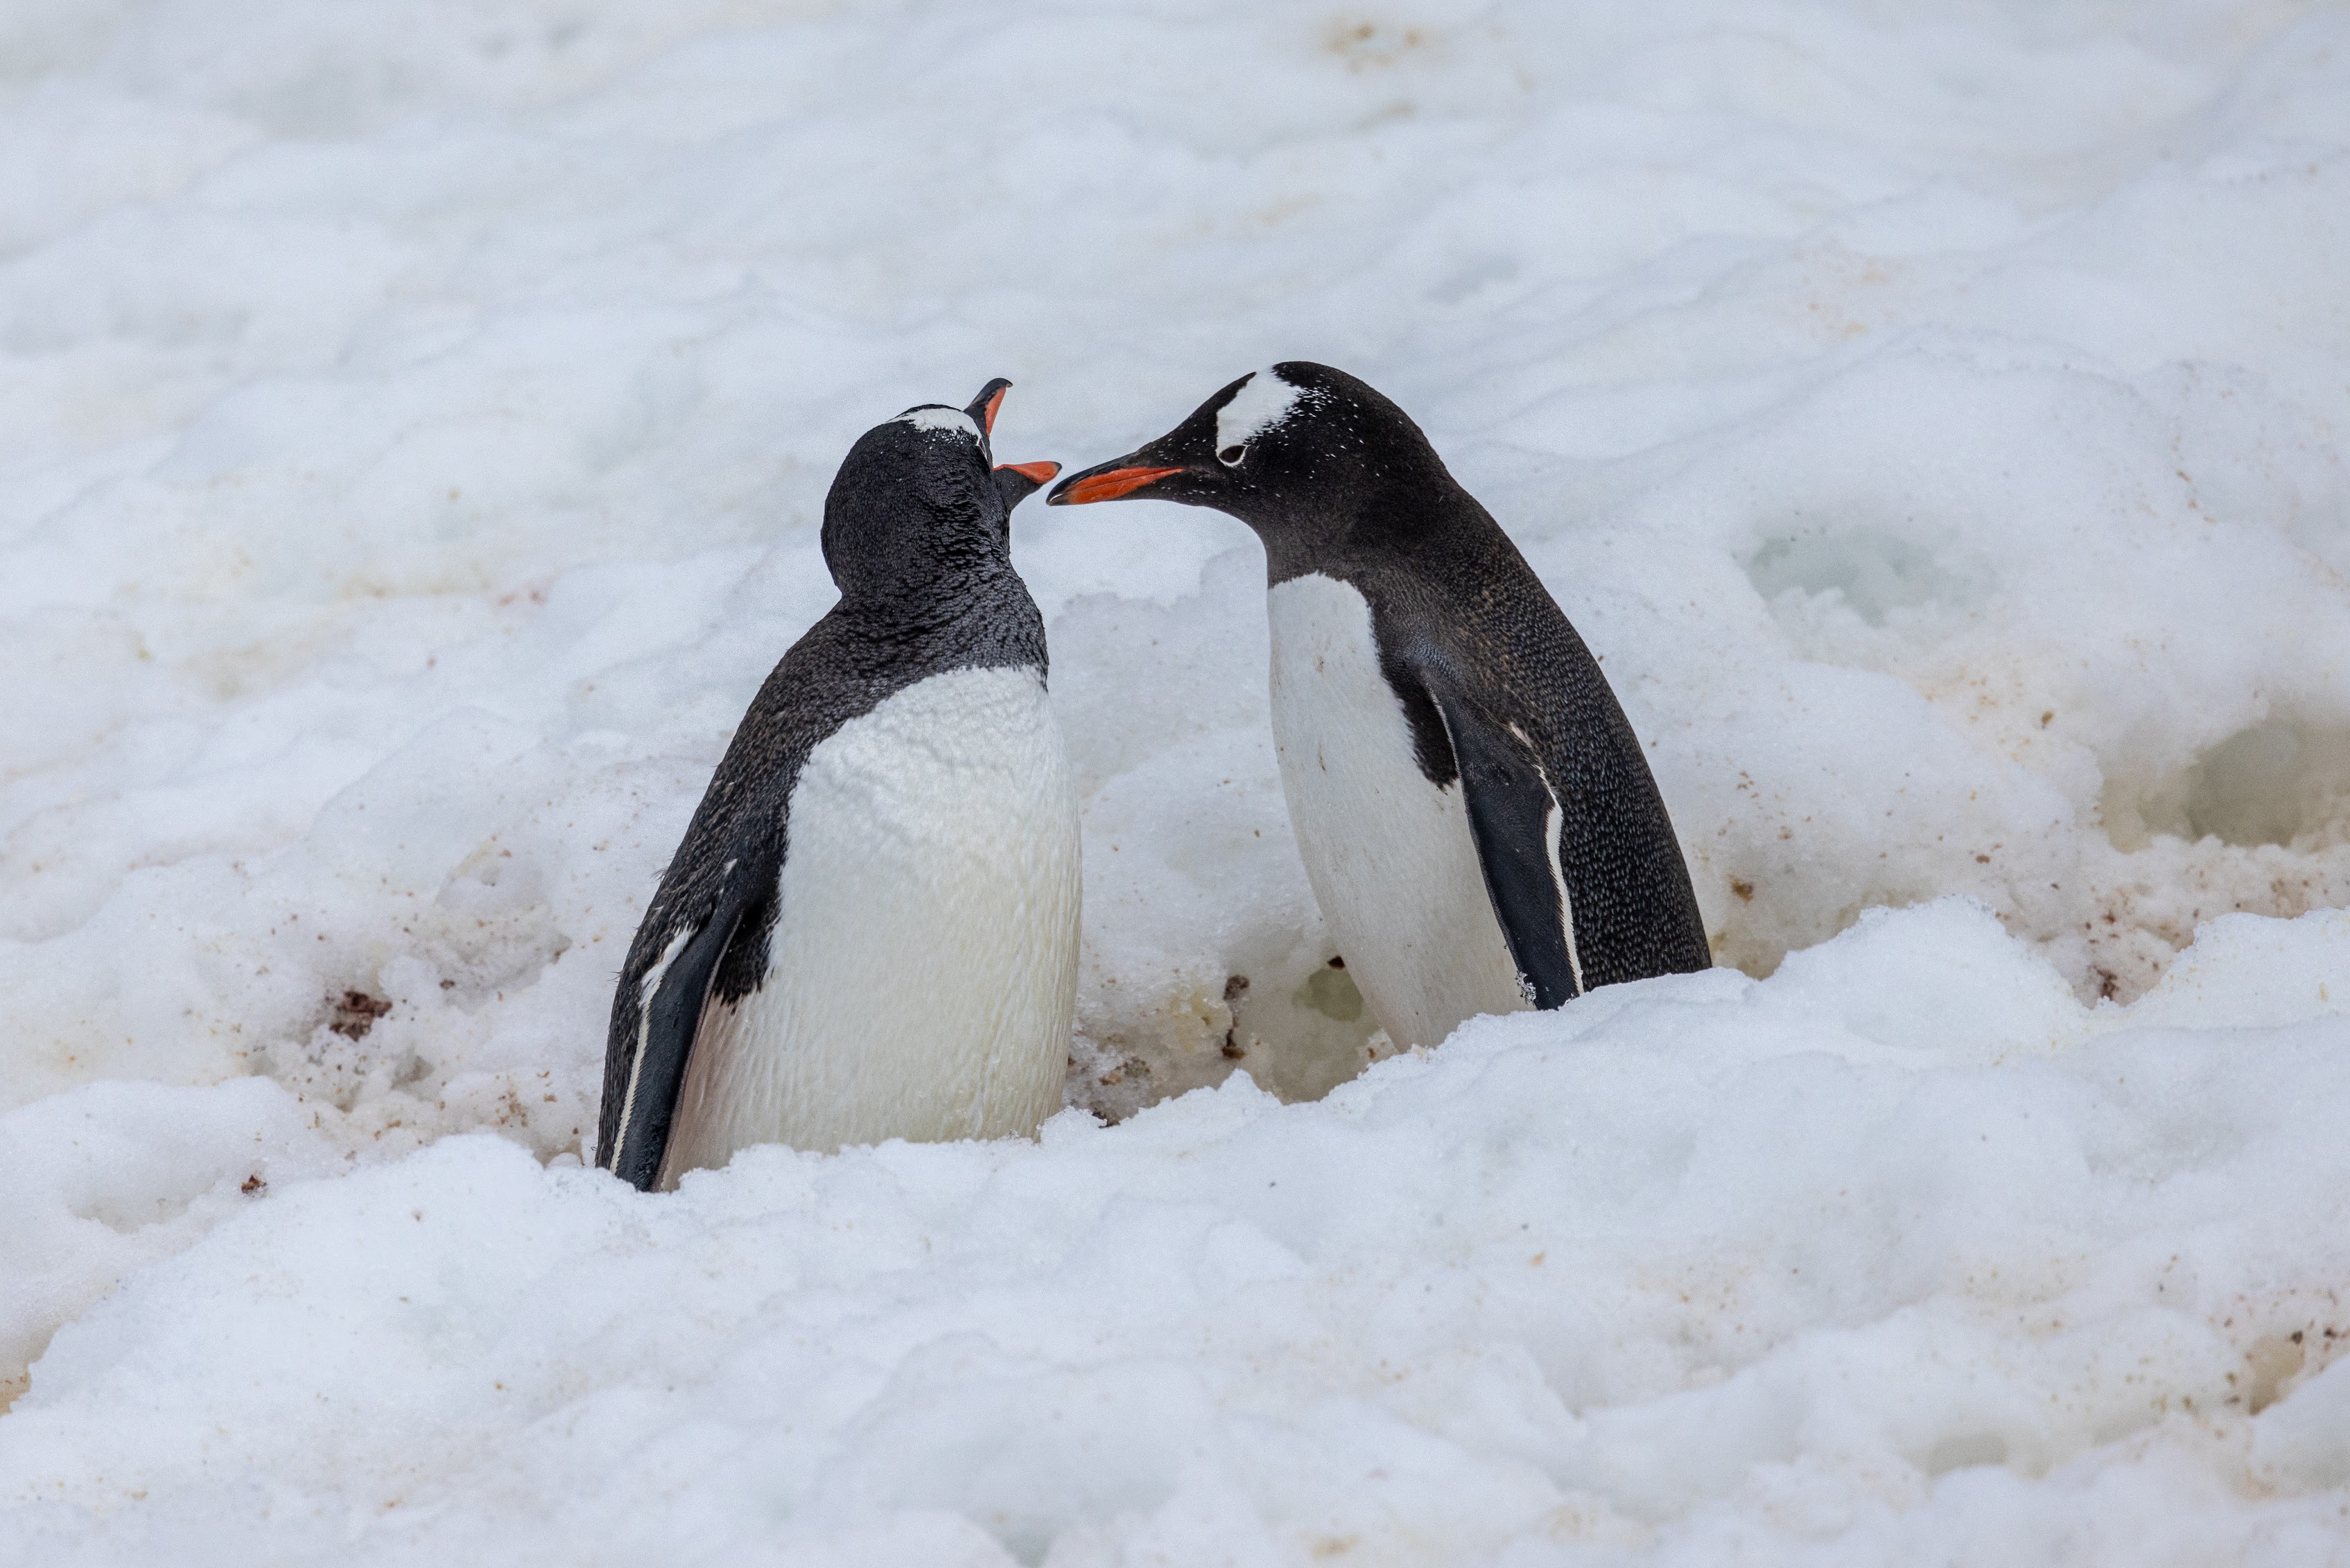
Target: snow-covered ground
[[414, 418]]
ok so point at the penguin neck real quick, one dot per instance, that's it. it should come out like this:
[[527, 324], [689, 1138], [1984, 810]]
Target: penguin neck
[[1417, 518], [973, 609]]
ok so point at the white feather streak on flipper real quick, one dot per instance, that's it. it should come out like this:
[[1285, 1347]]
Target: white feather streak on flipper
[[920, 981], [1391, 857], [646, 989], [940, 419], [1263, 401], [1554, 825]]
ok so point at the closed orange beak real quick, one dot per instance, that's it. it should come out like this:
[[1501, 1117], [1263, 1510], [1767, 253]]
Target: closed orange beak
[[1109, 486]]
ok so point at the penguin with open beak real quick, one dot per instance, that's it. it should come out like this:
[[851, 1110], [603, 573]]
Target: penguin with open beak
[[870, 930], [1476, 817]]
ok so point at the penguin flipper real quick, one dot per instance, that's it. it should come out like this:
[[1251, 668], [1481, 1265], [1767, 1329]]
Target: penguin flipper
[[669, 1019], [1515, 817]]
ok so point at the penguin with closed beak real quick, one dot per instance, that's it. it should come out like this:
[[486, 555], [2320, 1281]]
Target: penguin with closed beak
[[1476, 818], [870, 930]]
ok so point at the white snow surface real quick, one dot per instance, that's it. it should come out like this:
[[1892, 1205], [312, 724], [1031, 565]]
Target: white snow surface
[[415, 418]]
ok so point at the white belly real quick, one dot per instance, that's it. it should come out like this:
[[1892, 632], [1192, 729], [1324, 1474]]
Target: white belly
[[923, 971], [1390, 855]]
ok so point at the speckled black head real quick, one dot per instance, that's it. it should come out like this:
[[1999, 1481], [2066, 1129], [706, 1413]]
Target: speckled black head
[[919, 498], [1299, 451]]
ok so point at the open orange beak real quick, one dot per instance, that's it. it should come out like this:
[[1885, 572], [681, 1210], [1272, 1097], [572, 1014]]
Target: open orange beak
[[1108, 486], [983, 409]]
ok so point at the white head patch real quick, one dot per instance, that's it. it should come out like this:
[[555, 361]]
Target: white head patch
[[1263, 401], [940, 420]]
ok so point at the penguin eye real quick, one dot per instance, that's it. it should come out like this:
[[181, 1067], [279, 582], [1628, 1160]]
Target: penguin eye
[[1231, 456]]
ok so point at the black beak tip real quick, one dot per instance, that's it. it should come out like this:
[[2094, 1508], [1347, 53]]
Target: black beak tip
[[1059, 494], [982, 406]]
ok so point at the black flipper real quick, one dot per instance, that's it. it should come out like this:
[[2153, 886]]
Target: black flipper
[[673, 1016], [1515, 817]]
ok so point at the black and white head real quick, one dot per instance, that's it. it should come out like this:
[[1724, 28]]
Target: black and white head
[[922, 495], [1296, 451]]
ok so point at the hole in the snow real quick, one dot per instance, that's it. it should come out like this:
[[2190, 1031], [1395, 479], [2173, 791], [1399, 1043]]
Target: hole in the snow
[[2273, 1360], [2277, 782], [1330, 992], [1875, 573], [1961, 1450]]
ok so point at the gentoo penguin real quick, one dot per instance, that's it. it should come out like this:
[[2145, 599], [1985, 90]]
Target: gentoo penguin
[[1473, 811], [870, 930]]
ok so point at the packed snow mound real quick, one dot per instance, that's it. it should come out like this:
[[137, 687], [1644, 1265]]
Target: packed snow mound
[[415, 418], [1903, 1247]]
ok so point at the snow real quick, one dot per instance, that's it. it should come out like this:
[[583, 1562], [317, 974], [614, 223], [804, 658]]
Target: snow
[[1792, 1268], [415, 420]]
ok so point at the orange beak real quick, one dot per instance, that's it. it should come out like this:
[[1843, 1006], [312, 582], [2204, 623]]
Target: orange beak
[[1109, 486], [1042, 473], [995, 403]]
